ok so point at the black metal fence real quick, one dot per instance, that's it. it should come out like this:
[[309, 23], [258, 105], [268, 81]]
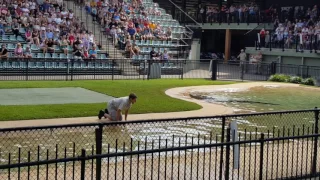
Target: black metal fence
[[73, 69], [113, 69], [192, 148], [301, 43]]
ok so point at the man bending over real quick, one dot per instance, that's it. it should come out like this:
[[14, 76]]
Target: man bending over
[[116, 106]]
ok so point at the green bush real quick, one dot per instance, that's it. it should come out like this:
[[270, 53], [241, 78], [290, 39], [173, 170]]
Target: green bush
[[308, 81], [279, 78], [292, 79], [295, 79]]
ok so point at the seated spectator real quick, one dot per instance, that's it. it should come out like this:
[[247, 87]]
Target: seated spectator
[[91, 38], [64, 45], [2, 30], [152, 26], [132, 33], [169, 34], [44, 46], [3, 52], [135, 50], [153, 54], [18, 51], [16, 28], [93, 53], [78, 54], [85, 54], [77, 43], [71, 38], [165, 55], [49, 34], [28, 36], [50, 44], [121, 41], [27, 52]]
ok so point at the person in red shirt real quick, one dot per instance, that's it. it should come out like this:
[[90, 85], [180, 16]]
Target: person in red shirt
[[262, 37]]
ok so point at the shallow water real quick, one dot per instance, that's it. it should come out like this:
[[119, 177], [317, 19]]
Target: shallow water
[[264, 98]]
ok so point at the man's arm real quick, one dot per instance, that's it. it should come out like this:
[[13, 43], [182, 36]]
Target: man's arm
[[118, 115], [126, 114]]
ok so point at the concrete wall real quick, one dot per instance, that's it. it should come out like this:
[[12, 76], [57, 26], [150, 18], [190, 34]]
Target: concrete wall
[[195, 49]]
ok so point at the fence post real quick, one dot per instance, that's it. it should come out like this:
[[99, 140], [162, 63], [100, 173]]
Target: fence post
[[181, 69], [144, 69], [242, 71], [83, 164], [261, 156], [149, 67], [67, 71], [72, 66], [98, 133], [316, 44], [273, 67], [112, 69], [270, 42], [227, 171], [315, 147], [311, 45], [94, 67], [27, 70], [297, 41], [222, 141], [214, 69], [283, 42]]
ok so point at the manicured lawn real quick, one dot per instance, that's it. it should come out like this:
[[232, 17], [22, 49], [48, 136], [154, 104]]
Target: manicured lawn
[[151, 97]]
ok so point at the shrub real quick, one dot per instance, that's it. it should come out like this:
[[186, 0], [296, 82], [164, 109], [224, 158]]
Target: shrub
[[292, 79], [295, 79], [279, 78], [308, 81]]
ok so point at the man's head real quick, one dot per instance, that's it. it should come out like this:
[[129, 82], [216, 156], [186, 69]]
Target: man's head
[[132, 98]]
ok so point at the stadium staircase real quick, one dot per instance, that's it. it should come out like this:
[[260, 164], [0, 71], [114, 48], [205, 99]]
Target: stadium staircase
[[106, 42]]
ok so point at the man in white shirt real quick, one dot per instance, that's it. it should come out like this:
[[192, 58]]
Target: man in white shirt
[[116, 106], [242, 56]]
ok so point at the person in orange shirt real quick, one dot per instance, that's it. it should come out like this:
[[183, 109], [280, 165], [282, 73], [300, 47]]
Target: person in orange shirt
[[152, 26]]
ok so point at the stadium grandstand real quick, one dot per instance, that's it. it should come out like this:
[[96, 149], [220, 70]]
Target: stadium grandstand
[[137, 30], [87, 30]]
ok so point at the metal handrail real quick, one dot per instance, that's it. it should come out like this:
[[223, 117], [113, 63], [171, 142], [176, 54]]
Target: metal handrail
[[185, 13]]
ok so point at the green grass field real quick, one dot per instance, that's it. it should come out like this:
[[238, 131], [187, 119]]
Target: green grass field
[[151, 97]]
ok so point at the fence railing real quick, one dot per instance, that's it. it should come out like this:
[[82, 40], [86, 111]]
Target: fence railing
[[301, 43], [194, 148], [113, 69], [75, 69]]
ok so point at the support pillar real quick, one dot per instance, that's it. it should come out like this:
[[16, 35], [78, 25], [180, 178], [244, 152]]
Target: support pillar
[[227, 47], [220, 4], [184, 8], [173, 10], [195, 49]]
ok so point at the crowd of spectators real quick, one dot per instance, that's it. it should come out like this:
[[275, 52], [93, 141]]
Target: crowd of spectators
[[298, 27], [128, 23], [235, 13], [48, 27]]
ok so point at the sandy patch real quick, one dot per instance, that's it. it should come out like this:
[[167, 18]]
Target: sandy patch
[[208, 109]]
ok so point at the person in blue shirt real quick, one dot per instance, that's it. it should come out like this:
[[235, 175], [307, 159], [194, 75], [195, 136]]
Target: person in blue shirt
[[132, 33], [49, 34], [2, 32], [93, 53]]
